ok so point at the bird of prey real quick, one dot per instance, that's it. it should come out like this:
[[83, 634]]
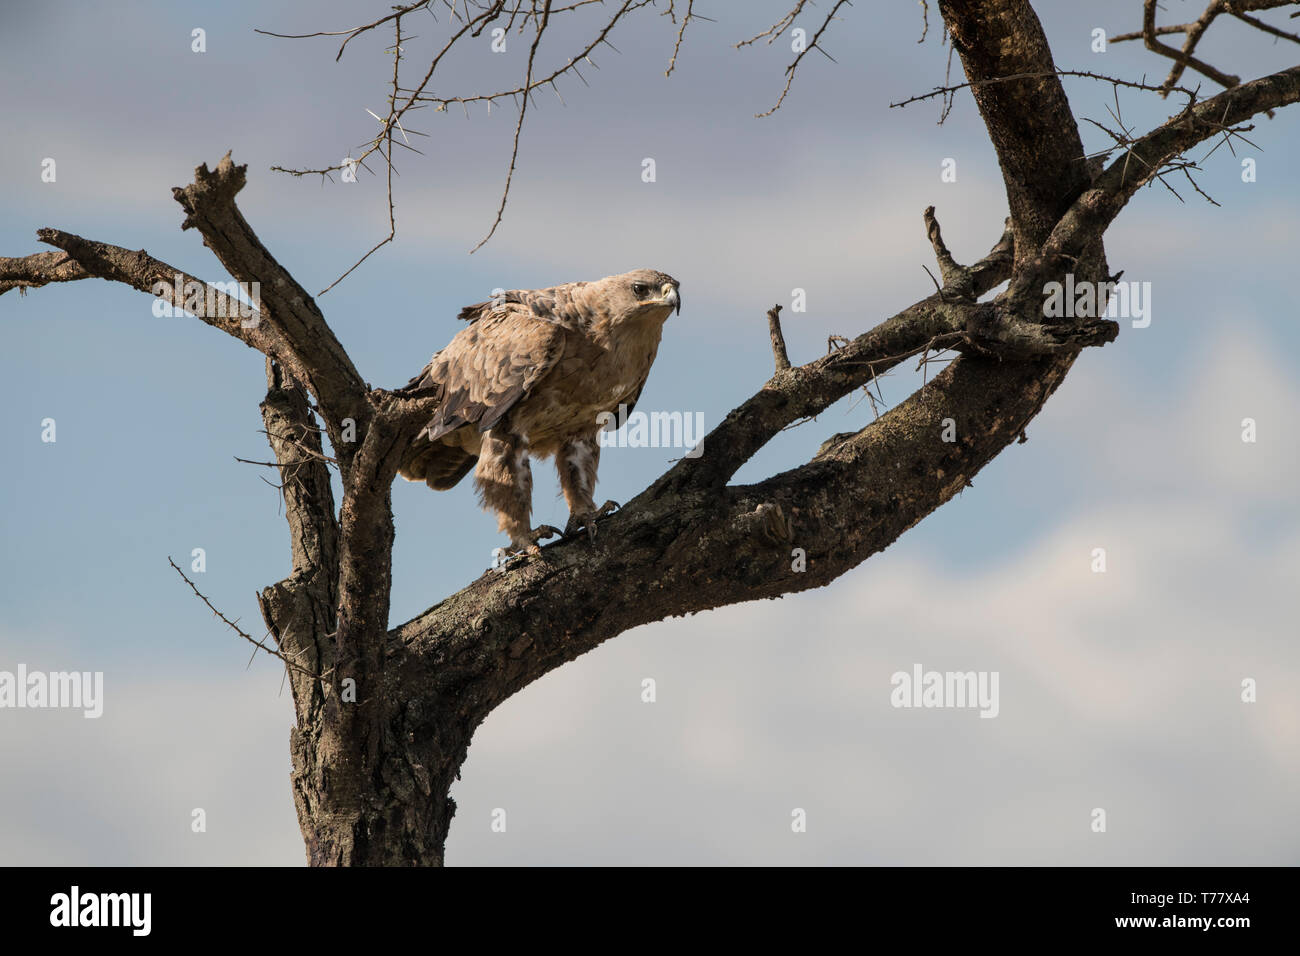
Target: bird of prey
[[531, 375]]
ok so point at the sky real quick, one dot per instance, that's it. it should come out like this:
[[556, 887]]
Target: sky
[[1119, 691]]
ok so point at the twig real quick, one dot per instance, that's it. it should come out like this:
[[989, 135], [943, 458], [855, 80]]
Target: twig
[[790, 70], [1183, 58], [681, 32], [1266, 27], [519, 126], [394, 119], [953, 274], [937, 287], [776, 29], [946, 90], [238, 630]]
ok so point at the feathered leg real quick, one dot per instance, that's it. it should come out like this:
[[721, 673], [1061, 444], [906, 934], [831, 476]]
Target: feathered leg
[[577, 461], [505, 484]]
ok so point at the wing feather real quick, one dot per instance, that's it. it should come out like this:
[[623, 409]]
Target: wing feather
[[489, 366], [549, 305]]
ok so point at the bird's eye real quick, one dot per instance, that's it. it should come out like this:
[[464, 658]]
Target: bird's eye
[[640, 290]]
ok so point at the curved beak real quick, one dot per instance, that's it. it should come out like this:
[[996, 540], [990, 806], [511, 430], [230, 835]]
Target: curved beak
[[670, 296]]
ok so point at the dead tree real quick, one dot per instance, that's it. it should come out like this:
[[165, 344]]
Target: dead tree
[[385, 715]]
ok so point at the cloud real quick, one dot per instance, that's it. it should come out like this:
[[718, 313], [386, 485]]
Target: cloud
[[121, 789], [1118, 690], [1183, 438]]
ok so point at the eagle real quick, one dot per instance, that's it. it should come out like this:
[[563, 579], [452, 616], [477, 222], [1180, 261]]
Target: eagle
[[532, 375]]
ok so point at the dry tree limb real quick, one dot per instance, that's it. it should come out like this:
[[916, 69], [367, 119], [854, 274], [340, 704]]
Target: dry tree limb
[[288, 327], [953, 274], [1183, 58], [779, 353], [80, 258], [1266, 27], [42, 268], [1194, 31]]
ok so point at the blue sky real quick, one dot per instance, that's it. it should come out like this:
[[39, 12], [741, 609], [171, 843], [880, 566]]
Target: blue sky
[[1139, 451]]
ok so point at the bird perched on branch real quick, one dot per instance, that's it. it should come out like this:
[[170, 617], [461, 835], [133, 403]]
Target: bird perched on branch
[[531, 375]]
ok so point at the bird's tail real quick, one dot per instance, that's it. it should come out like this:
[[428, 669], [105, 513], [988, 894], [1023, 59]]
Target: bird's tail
[[439, 466]]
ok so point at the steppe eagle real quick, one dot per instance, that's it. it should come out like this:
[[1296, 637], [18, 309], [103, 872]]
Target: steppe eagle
[[529, 376]]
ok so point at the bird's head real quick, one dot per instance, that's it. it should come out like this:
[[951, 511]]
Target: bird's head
[[642, 293]]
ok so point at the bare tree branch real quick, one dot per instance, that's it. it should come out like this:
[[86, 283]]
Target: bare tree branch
[[315, 357], [386, 135], [779, 353], [776, 29], [538, 13], [519, 125], [1096, 208], [687, 17], [1183, 58], [1195, 31], [812, 45], [87, 259]]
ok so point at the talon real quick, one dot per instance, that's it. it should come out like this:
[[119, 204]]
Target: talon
[[527, 544], [540, 532], [587, 520], [576, 522]]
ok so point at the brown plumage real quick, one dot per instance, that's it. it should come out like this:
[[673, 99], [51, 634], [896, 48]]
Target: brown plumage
[[530, 376]]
